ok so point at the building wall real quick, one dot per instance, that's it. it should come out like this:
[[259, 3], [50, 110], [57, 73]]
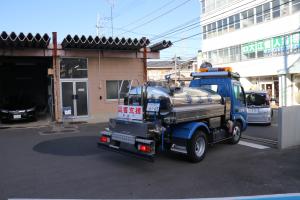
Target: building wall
[[110, 69], [257, 68], [158, 74]]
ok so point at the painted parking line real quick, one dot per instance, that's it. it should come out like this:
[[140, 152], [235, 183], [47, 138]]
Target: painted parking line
[[289, 196], [253, 145]]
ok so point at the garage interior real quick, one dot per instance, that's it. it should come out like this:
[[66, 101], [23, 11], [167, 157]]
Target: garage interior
[[25, 79]]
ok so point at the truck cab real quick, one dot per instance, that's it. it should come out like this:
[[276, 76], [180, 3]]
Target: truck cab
[[226, 84]]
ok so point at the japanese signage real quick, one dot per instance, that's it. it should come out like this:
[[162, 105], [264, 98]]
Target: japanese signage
[[130, 112], [273, 45]]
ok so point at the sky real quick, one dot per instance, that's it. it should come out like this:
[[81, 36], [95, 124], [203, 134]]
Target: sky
[[131, 18]]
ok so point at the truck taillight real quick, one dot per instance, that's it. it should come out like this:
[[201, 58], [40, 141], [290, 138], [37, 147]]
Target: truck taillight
[[144, 148], [104, 139]]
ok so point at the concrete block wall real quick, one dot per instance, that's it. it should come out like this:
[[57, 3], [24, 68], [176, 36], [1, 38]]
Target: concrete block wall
[[289, 127]]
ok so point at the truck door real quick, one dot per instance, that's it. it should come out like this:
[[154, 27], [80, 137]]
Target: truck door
[[239, 107]]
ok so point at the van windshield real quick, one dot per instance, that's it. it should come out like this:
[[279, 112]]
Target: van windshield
[[257, 99]]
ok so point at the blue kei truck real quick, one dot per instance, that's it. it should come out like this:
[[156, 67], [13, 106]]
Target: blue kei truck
[[158, 117]]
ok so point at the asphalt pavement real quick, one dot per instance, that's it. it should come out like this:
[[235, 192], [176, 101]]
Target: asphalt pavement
[[268, 132], [66, 163]]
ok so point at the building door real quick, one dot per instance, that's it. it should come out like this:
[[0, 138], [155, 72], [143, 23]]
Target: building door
[[74, 98], [269, 87]]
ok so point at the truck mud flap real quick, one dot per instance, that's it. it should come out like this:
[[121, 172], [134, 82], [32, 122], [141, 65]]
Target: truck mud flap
[[126, 152]]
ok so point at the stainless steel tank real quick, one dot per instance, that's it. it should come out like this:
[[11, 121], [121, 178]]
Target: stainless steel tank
[[184, 104]]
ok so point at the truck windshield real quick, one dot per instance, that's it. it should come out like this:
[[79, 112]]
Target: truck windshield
[[257, 99]]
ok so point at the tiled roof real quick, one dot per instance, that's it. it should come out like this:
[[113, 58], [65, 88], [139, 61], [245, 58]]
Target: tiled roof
[[13, 40], [90, 42]]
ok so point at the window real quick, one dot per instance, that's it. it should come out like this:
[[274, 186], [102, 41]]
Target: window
[[214, 56], [209, 31], [210, 5], [213, 29], [248, 18], [234, 53], [276, 8], [267, 11], [237, 21], [220, 56], [113, 86], [284, 9], [231, 24], [260, 49], [204, 32], [259, 14], [203, 6], [226, 56], [295, 5], [225, 28], [248, 51], [219, 27], [73, 68]]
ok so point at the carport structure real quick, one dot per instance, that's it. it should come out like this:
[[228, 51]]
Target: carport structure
[[77, 79], [24, 61]]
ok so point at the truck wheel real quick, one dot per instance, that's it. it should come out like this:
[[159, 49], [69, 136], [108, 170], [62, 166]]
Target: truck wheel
[[197, 146], [236, 133]]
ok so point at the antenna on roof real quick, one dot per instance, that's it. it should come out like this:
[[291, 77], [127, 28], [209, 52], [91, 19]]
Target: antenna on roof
[[98, 25]]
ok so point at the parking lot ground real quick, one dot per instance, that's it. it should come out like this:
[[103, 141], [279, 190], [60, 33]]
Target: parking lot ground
[[70, 165]]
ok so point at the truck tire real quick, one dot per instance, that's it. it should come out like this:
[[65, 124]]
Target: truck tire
[[197, 146], [236, 133]]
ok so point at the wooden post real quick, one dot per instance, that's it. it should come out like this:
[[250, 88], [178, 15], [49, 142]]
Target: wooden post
[[145, 64], [56, 79]]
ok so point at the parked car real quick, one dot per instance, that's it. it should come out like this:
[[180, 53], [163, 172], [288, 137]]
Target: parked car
[[258, 107], [16, 109]]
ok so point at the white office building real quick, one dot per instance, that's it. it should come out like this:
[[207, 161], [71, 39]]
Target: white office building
[[260, 39]]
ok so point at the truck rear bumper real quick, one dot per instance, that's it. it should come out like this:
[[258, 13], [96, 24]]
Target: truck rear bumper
[[127, 143]]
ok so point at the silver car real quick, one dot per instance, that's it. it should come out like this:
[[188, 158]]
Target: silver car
[[258, 107]]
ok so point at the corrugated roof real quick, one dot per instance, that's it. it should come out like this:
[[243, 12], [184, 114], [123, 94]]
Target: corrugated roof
[[160, 45], [90, 42], [13, 40]]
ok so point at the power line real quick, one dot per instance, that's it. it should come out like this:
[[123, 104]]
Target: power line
[[163, 14], [174, 30], [149, 14]]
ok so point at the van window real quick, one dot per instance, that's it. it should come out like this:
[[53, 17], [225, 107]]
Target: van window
[[257, 99]]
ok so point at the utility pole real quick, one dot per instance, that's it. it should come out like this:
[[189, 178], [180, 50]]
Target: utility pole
[[98, 26], [175, 68], [112, 4]]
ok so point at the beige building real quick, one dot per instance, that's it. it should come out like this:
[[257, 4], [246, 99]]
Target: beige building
[[78, 79]]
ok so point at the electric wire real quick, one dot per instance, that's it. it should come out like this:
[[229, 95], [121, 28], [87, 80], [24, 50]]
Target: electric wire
[[161, 15]]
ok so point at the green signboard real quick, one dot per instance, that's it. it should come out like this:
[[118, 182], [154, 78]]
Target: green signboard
[[273, 44]]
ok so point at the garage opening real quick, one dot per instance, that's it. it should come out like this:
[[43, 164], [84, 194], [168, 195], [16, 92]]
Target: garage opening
[[25, 89]]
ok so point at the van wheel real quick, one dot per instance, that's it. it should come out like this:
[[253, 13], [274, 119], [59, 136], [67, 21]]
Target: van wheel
[[236, 133], [197, 146]]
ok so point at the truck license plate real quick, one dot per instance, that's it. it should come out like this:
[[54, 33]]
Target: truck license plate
[[129, 139], [17, 116], [153, 107]]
